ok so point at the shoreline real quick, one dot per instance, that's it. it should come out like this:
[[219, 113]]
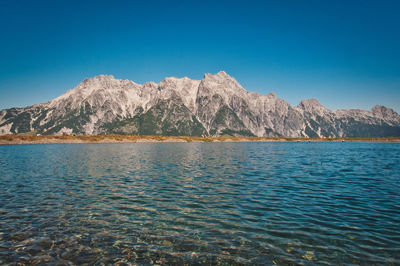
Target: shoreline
[[101, 139]]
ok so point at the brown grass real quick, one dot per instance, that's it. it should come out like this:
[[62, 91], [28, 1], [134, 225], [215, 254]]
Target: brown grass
[[21, 139]]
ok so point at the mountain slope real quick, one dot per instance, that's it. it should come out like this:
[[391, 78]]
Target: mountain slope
[[216, 105]]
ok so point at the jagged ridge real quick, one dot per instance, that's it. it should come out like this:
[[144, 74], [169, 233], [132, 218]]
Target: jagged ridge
[[216, 105]]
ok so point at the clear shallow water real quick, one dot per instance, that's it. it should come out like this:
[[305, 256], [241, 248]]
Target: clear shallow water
[[201, 203]]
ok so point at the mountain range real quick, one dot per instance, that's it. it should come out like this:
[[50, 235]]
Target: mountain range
[[214, 106]]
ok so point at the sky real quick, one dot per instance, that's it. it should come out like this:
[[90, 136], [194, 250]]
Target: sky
[[344, 53]]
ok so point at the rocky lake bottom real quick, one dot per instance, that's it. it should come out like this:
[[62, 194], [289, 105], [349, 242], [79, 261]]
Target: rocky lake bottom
[[200, 203]]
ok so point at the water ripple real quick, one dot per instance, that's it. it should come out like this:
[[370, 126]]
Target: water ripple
[[200, 203]]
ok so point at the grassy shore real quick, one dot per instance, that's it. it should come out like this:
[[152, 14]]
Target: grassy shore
[[26, 139]]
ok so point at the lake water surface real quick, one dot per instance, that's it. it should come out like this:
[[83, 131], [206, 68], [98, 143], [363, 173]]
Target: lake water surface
[[200, 203]]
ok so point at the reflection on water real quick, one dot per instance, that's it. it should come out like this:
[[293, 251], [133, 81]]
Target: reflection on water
[[200, 203]]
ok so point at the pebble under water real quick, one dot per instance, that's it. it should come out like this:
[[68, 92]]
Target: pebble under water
[[200, 203]]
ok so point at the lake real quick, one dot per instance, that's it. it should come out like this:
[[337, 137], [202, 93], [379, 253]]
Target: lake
[[200, 203]]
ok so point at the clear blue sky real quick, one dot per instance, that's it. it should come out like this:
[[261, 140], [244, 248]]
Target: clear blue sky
[[345, 53]]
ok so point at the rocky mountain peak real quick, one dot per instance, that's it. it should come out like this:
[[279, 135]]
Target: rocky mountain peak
[[177, 83], [185, 88], [221, 75], [104, 82], [104, 77], [384, 112], [311, 105], [150, 85], [311, 102], [97, 79], [216, 105], [221, 83], [96, 82]]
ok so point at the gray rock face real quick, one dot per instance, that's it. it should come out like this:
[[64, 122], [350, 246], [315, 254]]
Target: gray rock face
[[216, 105]]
